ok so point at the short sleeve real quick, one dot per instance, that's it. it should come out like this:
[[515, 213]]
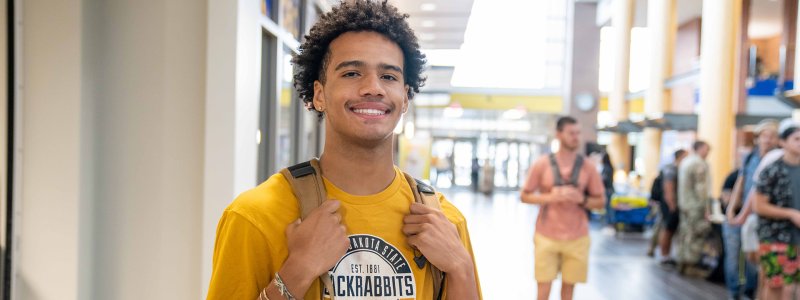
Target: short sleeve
[[766, 180], [240, 267], [454, 215]]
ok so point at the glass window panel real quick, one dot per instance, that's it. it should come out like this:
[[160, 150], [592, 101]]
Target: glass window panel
[[284, 142], [290, 16]]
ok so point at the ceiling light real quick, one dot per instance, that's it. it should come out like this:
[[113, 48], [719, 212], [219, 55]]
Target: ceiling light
[[514, 113], [427, 7], [428, 23], [427, 36], [453, 111]]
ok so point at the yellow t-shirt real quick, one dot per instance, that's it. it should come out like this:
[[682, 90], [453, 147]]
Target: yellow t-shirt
[[251, 243]]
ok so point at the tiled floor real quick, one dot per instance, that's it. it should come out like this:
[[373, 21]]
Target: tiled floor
[[501, 229]]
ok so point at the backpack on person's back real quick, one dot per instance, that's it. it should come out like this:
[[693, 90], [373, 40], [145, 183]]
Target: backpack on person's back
[[657, 188]]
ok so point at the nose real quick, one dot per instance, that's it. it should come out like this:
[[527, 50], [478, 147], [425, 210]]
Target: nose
[[372, 86]]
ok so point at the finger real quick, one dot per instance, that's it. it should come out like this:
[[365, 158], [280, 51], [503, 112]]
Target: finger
[[413, 241], [338, 217], [330, 206], [419, 209], [412, 229], [416, 219]]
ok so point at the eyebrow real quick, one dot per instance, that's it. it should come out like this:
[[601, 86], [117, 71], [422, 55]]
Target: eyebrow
[[359, 64]]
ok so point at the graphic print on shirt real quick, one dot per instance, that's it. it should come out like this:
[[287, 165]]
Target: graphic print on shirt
[[372, 269]]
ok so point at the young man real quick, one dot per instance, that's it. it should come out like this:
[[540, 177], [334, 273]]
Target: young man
[[358, 67], [777, 202], [766, 139], [694, 193], [669, 207], [562, 227]]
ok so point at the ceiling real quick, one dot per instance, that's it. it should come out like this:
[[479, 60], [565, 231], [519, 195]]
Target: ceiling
[[765, 20], [442, 27]]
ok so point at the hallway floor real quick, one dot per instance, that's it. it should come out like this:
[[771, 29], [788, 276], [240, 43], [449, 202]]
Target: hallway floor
[[501, 229]]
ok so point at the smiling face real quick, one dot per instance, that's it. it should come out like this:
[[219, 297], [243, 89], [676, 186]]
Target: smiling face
[[363, 93]]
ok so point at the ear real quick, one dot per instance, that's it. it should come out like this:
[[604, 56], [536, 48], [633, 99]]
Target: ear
[[405, 99], [319, 96]]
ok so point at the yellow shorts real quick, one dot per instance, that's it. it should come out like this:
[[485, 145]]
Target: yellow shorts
[[571, 257]]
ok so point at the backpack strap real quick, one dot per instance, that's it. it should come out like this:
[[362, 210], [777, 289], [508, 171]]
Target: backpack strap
[[309, 189], [425, 194], [306, 182], [557, 180], [576, 170]]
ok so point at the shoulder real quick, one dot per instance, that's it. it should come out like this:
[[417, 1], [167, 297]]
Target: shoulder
[[589, 166], [542, 162], [271, 201], [450, 211]]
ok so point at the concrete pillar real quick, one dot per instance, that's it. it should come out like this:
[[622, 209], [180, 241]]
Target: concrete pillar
[[796, 49], [715, 114], [621, 20], [662, 27], [581, 76], [789, 39]]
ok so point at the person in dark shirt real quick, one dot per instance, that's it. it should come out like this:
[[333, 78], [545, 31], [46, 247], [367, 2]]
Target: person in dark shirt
[[727, 188]]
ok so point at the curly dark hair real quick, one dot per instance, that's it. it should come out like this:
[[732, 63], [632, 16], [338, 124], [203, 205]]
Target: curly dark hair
[[359, 15]]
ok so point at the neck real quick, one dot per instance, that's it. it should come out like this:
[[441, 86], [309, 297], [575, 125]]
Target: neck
[[356, 169], [564, 152], [763, 151], [791, 158]]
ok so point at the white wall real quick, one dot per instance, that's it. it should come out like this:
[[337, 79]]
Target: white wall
[[48, 225], [114, 125], [149, 88]]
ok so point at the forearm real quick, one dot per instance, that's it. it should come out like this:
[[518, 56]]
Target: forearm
[[669, 198], [536, 198], [595, 202], [768, 210], [747, 209], [462, 284]]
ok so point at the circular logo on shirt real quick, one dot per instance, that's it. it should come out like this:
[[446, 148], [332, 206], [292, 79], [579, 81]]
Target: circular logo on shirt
[[371, 269]]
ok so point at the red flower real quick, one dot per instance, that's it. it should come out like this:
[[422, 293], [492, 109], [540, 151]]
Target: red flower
[[782, 259], [790, 268], [776, 281]]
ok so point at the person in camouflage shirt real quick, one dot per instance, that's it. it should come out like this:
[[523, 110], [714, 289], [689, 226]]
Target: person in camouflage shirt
[[694, 192]]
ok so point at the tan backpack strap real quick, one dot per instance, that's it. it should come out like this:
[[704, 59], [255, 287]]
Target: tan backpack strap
[[425, 194], [307, 185]]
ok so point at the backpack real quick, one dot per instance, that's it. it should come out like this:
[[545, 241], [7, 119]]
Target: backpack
[[307, 185], [657, 189]]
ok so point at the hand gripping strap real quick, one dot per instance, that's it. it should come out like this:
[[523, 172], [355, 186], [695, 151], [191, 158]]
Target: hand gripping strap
[[307, 185], [425, 194]]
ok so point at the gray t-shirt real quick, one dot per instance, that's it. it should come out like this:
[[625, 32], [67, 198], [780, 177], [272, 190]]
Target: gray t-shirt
[[794, 175]]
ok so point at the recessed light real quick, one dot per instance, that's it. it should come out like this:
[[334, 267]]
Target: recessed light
[[428, 23], [427, 6], [427, 36]]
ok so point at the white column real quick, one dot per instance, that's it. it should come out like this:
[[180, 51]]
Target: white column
[[661, 26], [621, 20], [715, 114]]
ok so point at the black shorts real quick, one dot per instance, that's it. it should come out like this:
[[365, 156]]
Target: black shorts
[[669, 219]]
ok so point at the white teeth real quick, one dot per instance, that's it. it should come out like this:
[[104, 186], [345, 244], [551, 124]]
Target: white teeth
[[369, 111]]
